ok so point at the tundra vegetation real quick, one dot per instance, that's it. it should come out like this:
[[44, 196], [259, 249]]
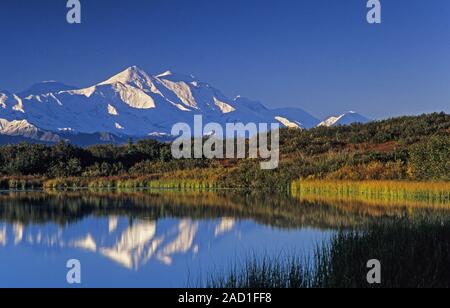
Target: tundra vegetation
[[407, 149]]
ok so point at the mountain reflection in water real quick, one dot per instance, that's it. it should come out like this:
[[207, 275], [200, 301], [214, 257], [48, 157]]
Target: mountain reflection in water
[[174, 234]]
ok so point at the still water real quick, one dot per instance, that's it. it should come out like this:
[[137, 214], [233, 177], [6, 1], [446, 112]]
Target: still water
[[157, 239]]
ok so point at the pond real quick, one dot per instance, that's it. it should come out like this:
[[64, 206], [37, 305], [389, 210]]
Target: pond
[[162, 238]]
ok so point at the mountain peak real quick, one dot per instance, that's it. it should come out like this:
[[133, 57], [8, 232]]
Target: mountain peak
[[131, 75], [347, 118], [134, 103], [135, 70]]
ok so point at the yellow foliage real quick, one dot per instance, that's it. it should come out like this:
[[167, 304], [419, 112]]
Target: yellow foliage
[[376, 192]]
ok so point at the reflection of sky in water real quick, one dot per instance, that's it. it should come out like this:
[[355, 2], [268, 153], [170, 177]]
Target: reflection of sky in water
[[115, 251]]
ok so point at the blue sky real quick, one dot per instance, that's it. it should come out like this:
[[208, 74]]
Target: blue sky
[[320, 55]]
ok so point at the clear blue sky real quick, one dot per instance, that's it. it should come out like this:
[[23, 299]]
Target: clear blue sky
[[320, 55]]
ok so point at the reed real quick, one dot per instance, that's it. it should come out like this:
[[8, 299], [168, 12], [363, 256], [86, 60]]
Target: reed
[[129, 183], [377, 192], [21, 183], [267, 273], [65, 183], [412, 256]]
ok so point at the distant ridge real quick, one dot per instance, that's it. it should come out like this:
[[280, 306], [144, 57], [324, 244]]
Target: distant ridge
[[344, 119]]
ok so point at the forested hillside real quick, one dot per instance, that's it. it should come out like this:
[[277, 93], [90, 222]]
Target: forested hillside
[[405, 148]]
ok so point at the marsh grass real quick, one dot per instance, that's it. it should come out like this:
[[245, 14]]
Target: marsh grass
[[266, 273], [121, 183], [378, 192], [21, 183], [411, 255]]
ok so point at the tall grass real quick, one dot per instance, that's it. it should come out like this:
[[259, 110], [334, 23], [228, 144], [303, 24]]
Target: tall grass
[[21, 183], [380, 192], [281, 273], [121, 183], [411, 256]]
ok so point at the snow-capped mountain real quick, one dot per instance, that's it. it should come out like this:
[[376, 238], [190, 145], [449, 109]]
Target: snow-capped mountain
[[344, 119], [46, 87], [24, 129], [131, 103]]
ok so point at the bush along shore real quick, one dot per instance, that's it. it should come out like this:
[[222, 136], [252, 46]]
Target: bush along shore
[[377, 193], [342, 262]]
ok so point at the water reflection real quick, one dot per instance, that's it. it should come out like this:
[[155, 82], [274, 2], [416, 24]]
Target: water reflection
[[129, 245], [165, 238], [275, 210]]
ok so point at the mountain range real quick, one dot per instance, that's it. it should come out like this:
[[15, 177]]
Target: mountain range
[[134, 104]]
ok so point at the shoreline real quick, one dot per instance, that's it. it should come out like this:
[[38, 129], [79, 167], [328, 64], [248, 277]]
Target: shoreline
[[376, 193]]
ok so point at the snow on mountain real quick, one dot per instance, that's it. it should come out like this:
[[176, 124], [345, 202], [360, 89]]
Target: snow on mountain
[[24, 129], [16, 128], [3, 98], [296, 115], [46, 87], [132, 103], [288, 117], [344, 119], [288, 123]]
